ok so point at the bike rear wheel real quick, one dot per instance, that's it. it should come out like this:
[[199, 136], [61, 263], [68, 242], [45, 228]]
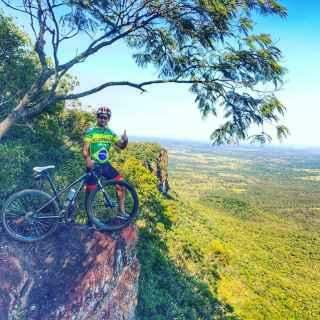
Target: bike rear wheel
[[106, 209], [21, 219]]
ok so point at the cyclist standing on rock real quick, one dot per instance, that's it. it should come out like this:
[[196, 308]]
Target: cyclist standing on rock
[[31, 215], [97, 142]]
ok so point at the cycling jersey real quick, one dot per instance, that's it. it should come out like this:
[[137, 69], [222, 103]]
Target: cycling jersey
[[100, 141]]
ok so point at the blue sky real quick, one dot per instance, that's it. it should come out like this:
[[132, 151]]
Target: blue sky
[[170, 111], [299, 39]]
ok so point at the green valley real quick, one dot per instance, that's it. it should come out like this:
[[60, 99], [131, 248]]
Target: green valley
[[255, 212]]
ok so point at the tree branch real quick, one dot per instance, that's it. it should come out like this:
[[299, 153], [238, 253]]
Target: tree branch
[[5, 101], [55, 37], [139, 86], [40, 42], [93, 49], [6, 3]]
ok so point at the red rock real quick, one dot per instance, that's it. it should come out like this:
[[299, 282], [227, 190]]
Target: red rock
[[75, 274]]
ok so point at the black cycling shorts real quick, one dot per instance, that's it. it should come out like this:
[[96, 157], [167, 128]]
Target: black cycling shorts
[[107, 171]]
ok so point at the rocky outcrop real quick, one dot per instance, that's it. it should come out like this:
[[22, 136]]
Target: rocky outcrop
[[159, 167], [162, 171], [75, 274]]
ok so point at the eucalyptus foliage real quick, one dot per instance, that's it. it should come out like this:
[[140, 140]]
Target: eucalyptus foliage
[[209, 45]]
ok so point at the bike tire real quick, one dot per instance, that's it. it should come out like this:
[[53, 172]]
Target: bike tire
[[106, 217], [29, 229]]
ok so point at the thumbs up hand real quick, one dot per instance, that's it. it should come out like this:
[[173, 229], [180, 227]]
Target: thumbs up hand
[[124, 137]]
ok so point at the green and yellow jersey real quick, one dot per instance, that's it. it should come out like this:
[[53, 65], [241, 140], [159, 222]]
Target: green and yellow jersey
[[100, 141]]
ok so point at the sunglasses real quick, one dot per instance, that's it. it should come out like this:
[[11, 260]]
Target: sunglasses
[[104, 117]]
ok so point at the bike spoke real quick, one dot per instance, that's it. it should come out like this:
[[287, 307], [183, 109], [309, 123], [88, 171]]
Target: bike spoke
[[17, 207], [14, 213], [24, 204]]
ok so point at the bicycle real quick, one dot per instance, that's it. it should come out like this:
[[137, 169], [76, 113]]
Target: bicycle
[[32, 214]]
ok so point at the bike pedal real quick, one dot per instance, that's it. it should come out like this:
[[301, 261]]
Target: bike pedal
[[92, 227], [123, 216]]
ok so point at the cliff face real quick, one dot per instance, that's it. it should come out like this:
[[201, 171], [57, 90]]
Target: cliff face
[[75, 274], [162, 171], [159, 167]]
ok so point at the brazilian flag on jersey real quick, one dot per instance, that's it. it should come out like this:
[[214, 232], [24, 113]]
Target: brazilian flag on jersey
[[100, 141]]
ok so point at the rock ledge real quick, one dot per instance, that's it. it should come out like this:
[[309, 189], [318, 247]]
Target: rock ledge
[[75, 274]]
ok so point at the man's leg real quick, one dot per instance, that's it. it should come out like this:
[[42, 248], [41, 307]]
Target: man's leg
[[90, 185], [121, 193], [111, 173]]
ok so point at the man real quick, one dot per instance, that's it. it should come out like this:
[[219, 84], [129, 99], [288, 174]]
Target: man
[[97, 142]]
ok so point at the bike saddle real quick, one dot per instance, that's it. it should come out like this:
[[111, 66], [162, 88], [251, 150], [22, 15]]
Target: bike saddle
[[42, 169]]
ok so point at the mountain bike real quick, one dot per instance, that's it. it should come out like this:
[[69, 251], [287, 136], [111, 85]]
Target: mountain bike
[[32, 214]]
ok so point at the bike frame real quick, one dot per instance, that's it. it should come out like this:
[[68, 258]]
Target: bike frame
[[57, 193]]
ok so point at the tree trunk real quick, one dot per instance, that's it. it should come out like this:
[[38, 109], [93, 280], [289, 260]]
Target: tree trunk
[[76, 274], [13, 116], [6, 124]]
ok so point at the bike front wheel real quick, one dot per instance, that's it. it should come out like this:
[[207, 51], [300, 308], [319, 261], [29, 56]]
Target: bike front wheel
[[114, 206], [22, 218]]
